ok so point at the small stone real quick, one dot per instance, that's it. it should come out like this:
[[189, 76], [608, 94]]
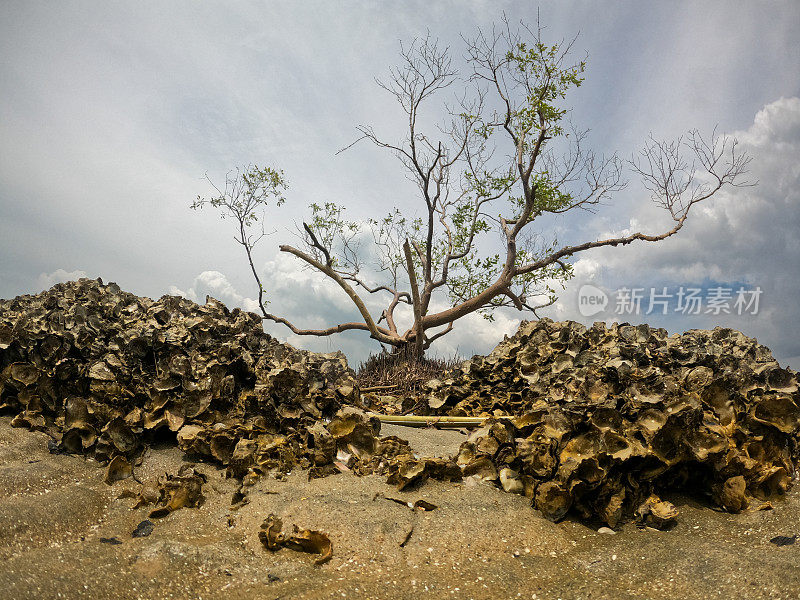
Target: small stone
[[607, 530], [783, 540], [143, 529], [112, 540]]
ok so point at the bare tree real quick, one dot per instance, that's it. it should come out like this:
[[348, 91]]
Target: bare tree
[[505, 157]]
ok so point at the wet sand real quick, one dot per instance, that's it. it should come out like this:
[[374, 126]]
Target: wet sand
[[479, 543]]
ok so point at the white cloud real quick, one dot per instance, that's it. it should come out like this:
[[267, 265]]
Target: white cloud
[[216, 285], [188, 294], [48, 280], [778, 123], [742, 235], [586, 268], [226, 88]]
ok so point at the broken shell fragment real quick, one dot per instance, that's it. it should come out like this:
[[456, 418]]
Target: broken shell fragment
[[311, 541], [118, 469], [424, 505], [185, 489], [511, 482], [732, 495], [657, 513], [270, 534], [301, 540], [552, 500], [149, 494]]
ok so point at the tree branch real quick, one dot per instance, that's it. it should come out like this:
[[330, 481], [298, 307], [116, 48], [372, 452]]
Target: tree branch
[[436, 336], [378, 333]]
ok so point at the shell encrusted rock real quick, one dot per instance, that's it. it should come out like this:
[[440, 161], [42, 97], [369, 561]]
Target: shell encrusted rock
[[103, 371], [605, 420], [607, 417]]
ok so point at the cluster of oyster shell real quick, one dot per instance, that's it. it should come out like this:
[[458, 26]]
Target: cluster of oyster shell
[[606, 417], [102, 371]]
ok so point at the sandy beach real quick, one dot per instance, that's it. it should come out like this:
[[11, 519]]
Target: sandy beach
[[65, 534]]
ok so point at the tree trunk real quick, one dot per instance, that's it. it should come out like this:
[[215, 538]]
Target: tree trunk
[[409, 353], [418, 350]]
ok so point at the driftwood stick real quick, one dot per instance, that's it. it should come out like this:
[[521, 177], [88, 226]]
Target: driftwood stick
[[437, 421], [377, 388]]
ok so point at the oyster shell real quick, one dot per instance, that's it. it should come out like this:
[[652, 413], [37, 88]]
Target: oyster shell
[[608, 415], [103, 370]]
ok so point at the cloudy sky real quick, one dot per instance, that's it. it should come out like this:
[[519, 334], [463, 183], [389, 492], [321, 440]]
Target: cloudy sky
[[111, 113]]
